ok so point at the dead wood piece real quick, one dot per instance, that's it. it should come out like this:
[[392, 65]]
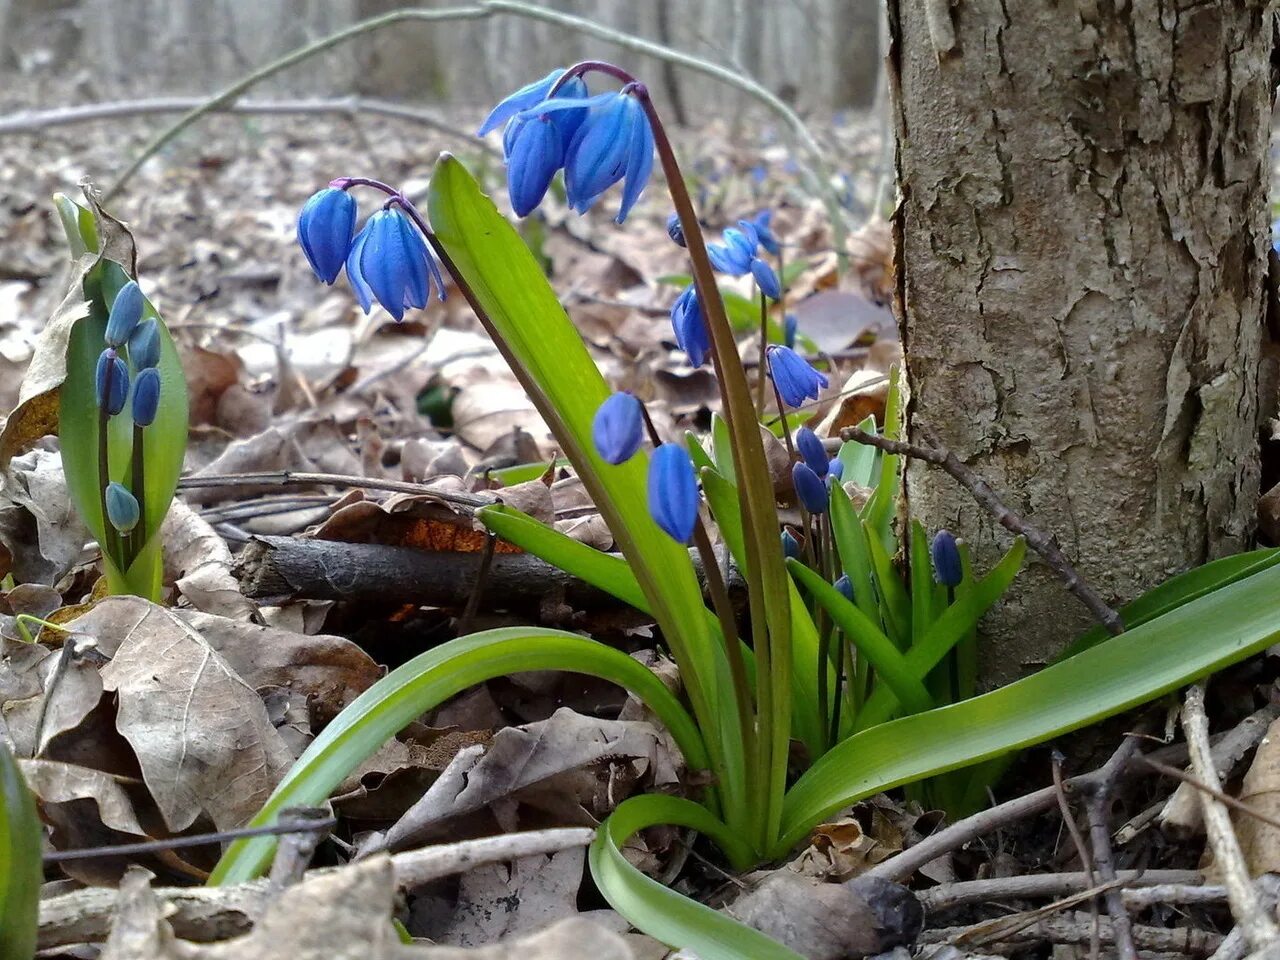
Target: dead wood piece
[[1097, 809], [1172, 884], [1076, 928]]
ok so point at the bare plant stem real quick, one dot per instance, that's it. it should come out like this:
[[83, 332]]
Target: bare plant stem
[[764, 349], [1077, 840], [138, 537]]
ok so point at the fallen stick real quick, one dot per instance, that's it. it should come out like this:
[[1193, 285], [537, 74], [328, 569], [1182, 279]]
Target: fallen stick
[[1173, 886], [1075, 928]]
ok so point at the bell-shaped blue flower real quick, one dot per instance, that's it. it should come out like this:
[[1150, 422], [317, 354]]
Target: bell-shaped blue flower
[[734, 255], [390, 263], [126, 311], [527, 97], [673, 491], [690, 327], [122, 507], [812, 450], [618, 428], [675, 230], [945, 552], [810, 490], [111, 381], [146, 397], [790, 545], [144, 344], [764, 232], [536, 153], [795, 379], [835, 468], [790, 325], [325, 228], [845, 586], [766, 279]]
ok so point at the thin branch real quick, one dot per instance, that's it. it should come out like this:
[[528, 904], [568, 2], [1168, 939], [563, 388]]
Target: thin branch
[[1097, 807], [292, 478], [1037, 540], [1167, 886]]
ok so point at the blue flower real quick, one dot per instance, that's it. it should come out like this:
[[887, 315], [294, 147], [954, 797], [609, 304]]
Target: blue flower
[[766, 279], [146, 397], [764, 233], [144, 344], [945, 552], [812, 450], [675, 230], [810, 490], [795, 379], [735, 254], [536, 153], [111, 381], [325, 227], [845, 586], [789, 327], [618, 428], [122, 507], [690, 327], [523, 99], [389, 262], [790, 545], [835, 468], [126, 311], [673, 491]]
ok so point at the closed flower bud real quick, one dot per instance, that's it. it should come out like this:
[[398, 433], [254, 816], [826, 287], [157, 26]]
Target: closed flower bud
[[835, 468], [618, 428], [111, 382], [789, 327], [812, 450], [126, 311], [795, 379], [810, 490], [146, 397], [790, 545], [845, 586], [326, 225], [675, 230], [536, 153], [735, 254], [690, 328], [766, 279], [673, 491], [947, 569], [144, 344], [122, 507], [764, 232]]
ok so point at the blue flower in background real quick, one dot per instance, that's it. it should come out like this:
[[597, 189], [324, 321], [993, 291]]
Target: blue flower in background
[[1275, 236], [945, 552], [146, 397], [618, 428], [764, 233], [389, 262], [673, 491], [766, 279], [690, 328], [789, 327], [810, 490], [675, 230], [325, 228], [734, 255], [795, 379]]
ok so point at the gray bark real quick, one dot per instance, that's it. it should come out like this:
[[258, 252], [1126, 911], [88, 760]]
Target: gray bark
[[1083, 236]]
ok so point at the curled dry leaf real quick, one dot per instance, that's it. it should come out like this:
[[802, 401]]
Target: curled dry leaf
[[199, 562], [1260, 841], [58, 783], [41, 534]]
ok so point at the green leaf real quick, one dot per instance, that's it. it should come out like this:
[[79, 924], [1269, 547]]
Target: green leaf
[[78, 224], [21, 872], [879, 509], [424, 683], [859, 459], [659, 911], [1142, 663], [855, 556]]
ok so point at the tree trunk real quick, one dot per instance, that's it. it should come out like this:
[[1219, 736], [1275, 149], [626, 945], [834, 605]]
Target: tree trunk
[[1083, 237]]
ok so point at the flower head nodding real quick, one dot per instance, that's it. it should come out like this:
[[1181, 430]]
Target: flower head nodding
[[945, 552], [690, 328], [146, 397], [126, 311], [144, 344], [764, 232], [111, 381], [734, 255], [618, 428], [673, 491], [389, 262], [122, 507], [795, 379], [810, 490], [613, 143], [845, 586], [325, 228], [675, 230], [766, 279], [812, 450]]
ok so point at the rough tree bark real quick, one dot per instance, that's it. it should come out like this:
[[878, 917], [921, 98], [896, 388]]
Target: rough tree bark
[[1082, 252]]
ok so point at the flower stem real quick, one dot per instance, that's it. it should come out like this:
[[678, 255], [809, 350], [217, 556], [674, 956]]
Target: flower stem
[[111, 548], [764, 350], [139, 535]]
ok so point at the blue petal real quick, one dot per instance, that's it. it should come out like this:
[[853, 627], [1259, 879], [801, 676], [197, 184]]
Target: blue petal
[[122, 507], [812, 450], [527, 96], [690, 329], [766, 278], [126, 311], [673, 491], [597, 157], [810, 490], [945, 553], [144, 344], [795, 379], [146, 397], [618, 428], [325, 227], [355, 270], [536, 155], [639, 161]]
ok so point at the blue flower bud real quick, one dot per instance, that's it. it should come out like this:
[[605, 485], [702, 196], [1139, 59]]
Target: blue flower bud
[[673, 491], [675, 230], [326, 225], [835, 468], [947, 569], [126, 311], [795, 379], [618, 428], [144, 344], [111, 381], [690, 328], [845, 586], [790, 545], [766, 278], [536, 153], [810, 490], [789, 326], [762, 222], [389, 262], [812, 450], [735, 254], [122, 507], [146, 396]]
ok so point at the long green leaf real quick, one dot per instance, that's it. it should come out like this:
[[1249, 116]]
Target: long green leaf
[[21, 872], [423, 683], [1140, 664], [659, 911]]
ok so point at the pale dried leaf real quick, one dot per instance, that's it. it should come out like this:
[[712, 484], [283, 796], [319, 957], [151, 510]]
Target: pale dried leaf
[[199, 562], [54, 782], [1259, 841]]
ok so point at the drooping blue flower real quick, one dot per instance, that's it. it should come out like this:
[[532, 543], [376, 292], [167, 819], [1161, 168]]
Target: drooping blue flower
[[146, 397], [675, 230], [536, 153], [789, 327], [812, 450], [810, 490], [144, 344], [122, 507], [111, 381], [389, 262], [945, 552], [764, 232], [618, 428], [790, 545], [325, 228], [795, 379], [766, 279], [126, 311], [673, 491], [835, 468], [690, 327], [845, 586], [734, 255], [527, 97]]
